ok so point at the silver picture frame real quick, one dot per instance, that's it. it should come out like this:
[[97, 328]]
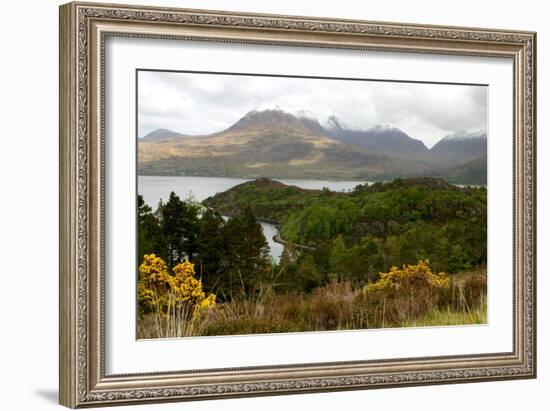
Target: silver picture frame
[[84, 28]]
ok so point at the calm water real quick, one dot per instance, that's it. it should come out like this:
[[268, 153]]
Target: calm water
[[156, 188]]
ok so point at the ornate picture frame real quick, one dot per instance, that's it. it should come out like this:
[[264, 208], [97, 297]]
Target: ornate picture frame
[[84, 29]]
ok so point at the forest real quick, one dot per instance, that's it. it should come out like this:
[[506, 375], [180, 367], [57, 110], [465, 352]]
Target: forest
[[408, 252]]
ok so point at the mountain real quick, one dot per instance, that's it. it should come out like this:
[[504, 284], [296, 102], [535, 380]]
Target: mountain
[[386, 140], [270, 143], [162, 134], [259, 121], [461, 147], [313, 125], [278, 144], [473, 172]]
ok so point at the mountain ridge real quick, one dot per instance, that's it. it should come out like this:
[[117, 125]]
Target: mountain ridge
[[461, 147], [162, 134], [278, 144], [386, 140]]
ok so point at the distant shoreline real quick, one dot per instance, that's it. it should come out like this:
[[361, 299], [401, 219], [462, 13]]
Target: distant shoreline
[[331, 180]]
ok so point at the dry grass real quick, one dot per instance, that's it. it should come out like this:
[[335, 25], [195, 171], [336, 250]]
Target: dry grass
[[179, 320], [337, 306], [439, 317]]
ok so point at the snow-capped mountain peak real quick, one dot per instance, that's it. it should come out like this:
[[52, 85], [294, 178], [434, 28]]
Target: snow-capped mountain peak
[[305, 114], [335, 123], [465, 135], [381, 128]]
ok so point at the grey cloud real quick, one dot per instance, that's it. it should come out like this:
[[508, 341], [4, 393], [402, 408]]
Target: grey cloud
[[193, 103]]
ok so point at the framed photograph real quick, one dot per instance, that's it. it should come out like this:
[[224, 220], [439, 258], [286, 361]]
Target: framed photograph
[[259, 204]]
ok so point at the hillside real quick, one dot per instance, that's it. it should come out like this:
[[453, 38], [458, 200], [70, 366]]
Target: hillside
[[461, 147], [386, 140], [269, 143], [162, 134], [269, 199], [445, 220], [277, 144], [473, 172], [273, 201], [407, 252]]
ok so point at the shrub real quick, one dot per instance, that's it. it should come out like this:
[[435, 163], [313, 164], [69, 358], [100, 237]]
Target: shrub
[[409, 296], [154, 283], [410, 277], [401, 294], [188, 289], [175, 302]]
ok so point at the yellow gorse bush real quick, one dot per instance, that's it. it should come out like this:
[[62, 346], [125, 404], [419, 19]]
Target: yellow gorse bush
[[419, 273], [160, 291], [187, 288], [154, 283]]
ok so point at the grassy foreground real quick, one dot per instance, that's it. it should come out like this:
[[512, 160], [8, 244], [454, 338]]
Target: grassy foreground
[[442, 317], [406, 297]]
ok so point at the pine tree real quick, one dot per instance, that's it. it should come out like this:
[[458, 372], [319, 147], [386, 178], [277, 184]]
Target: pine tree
[[180, 226], [247, 253], [149, 232], [211, 246]]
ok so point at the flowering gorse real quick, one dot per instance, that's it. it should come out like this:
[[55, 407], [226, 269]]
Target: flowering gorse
[[419, 274], [188, 289], [161, 292]]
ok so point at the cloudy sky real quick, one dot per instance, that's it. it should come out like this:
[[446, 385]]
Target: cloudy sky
[[192, 103]]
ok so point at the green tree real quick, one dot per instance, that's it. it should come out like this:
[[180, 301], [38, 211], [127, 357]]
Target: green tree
[[150, 240], [363, 261], [180, 227], [339, 259], [210, 258], [309, 274], [247, 253]]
